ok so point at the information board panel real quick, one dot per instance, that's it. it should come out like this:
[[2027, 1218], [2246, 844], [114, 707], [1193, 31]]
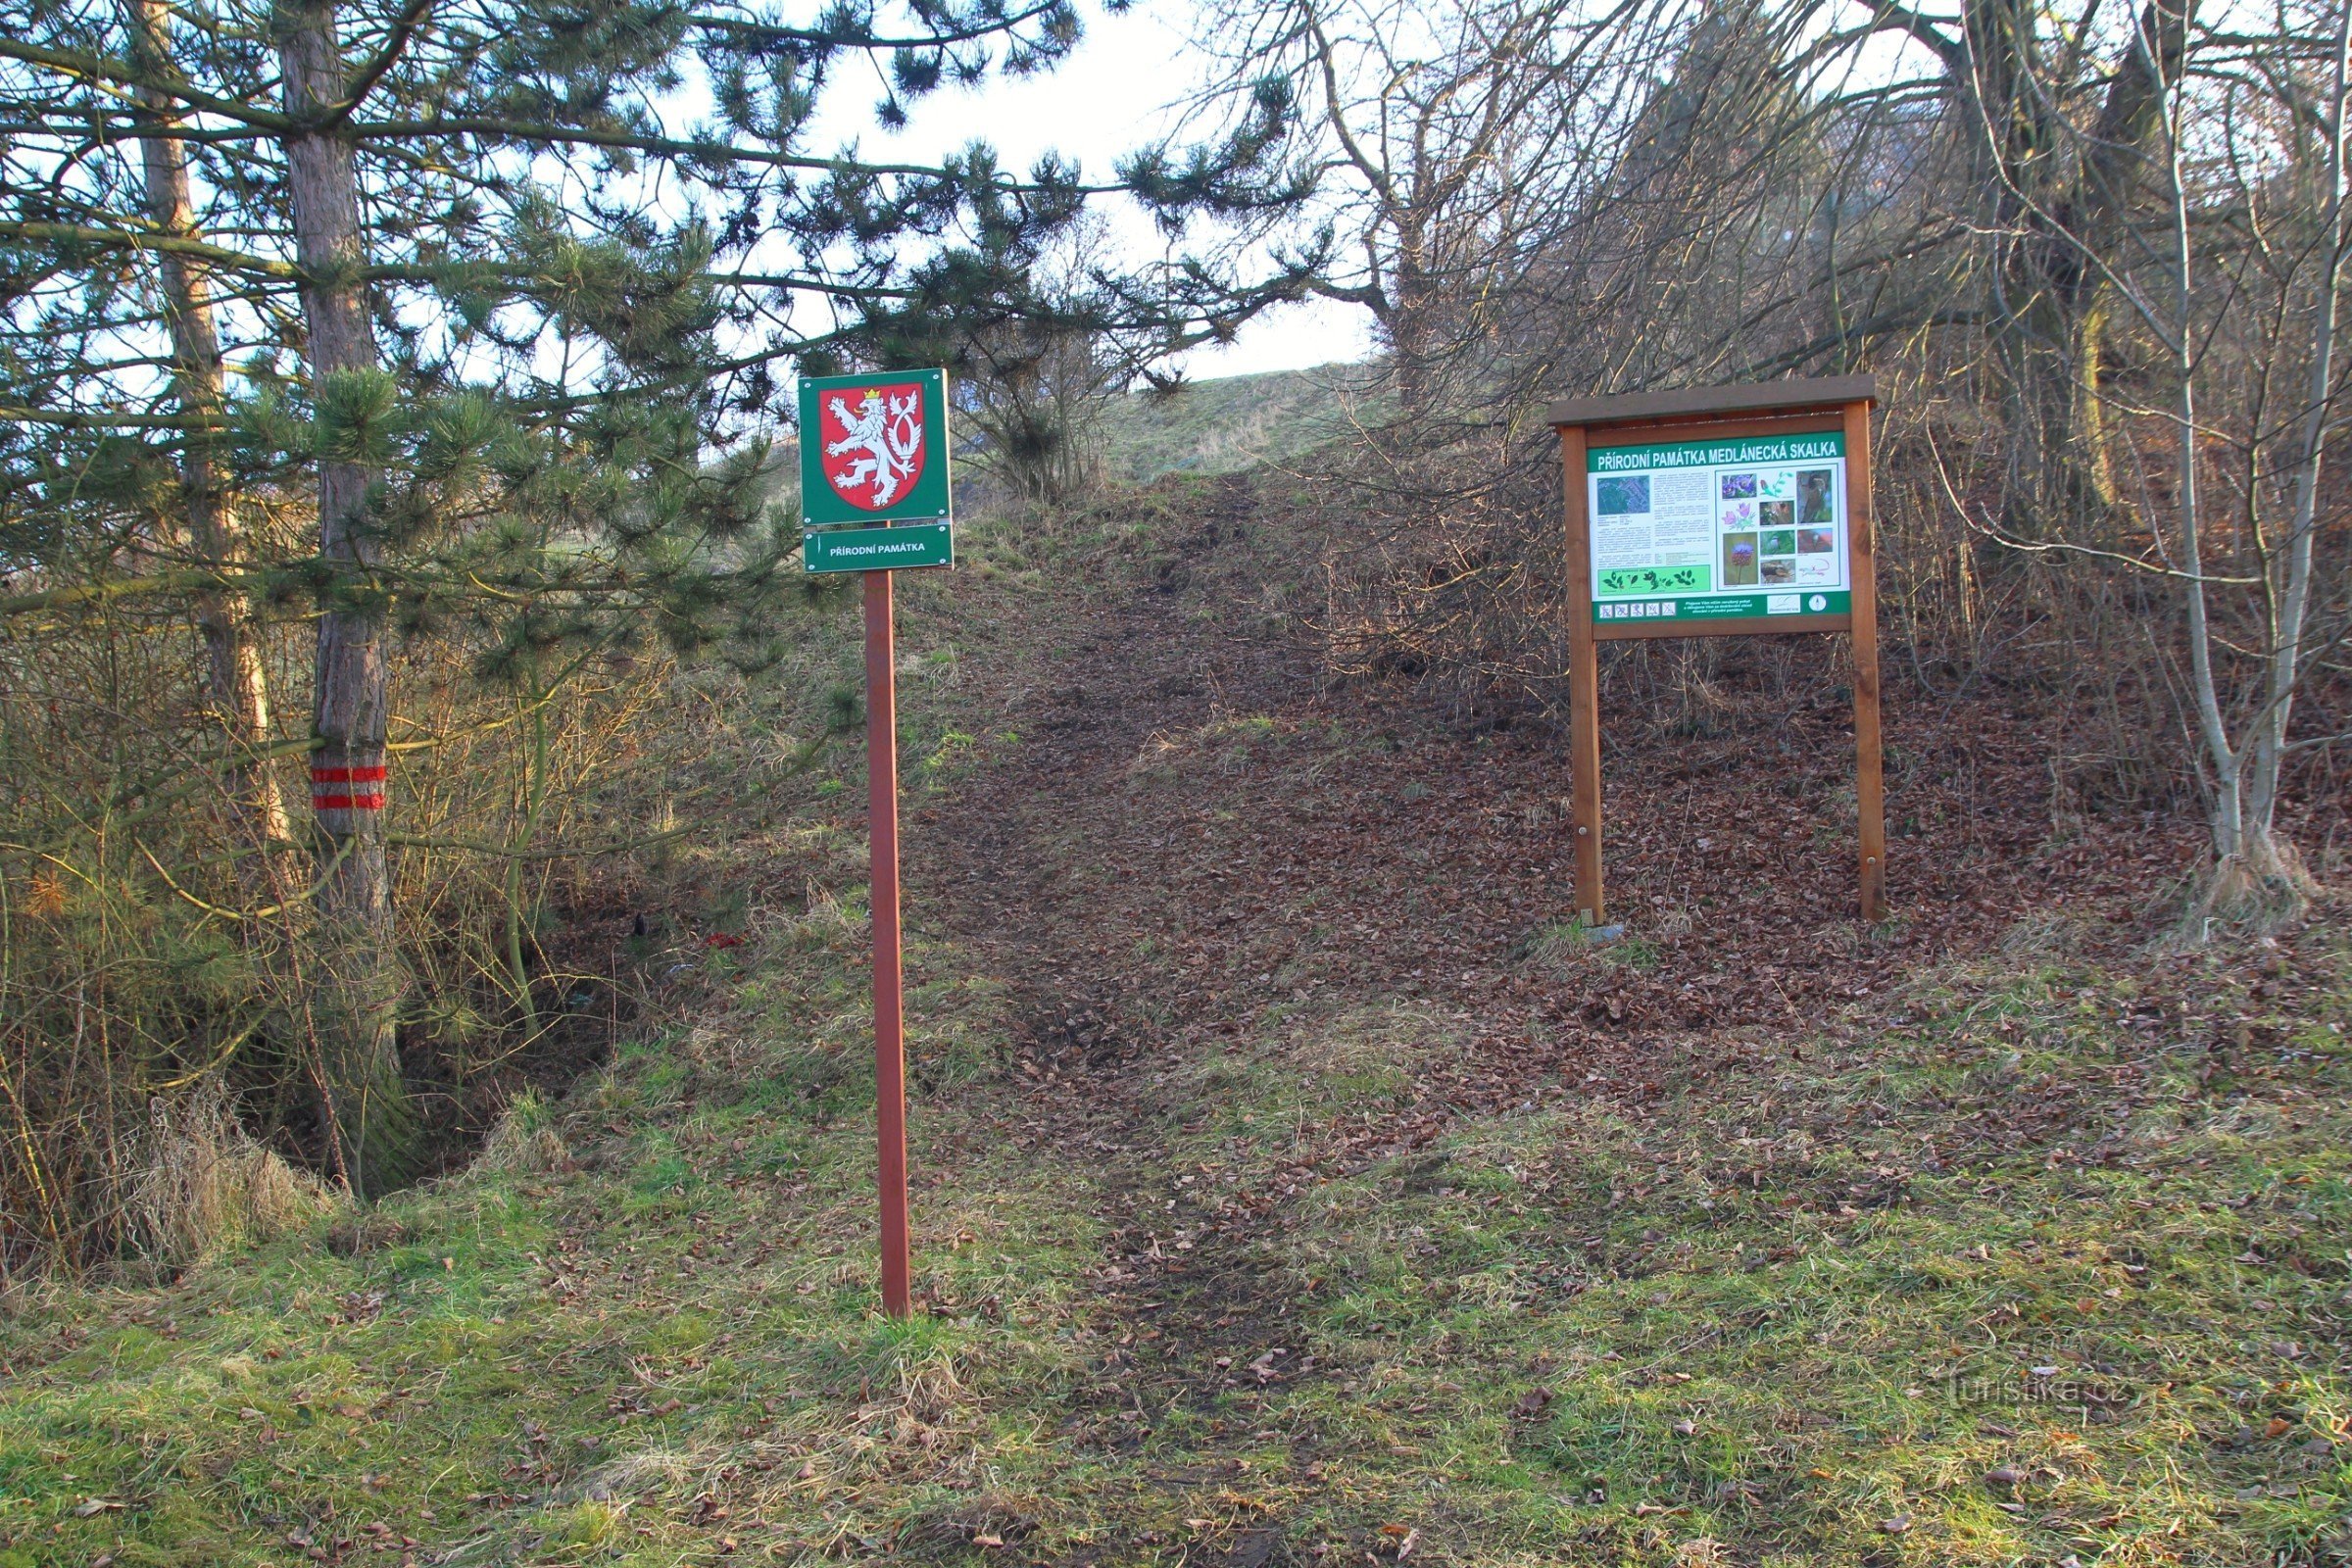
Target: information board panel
[[1728, 529], [1719, 512]]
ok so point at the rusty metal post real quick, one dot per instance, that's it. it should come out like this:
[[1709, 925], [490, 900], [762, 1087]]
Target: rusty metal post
[[890, 1042], [1870, 783], [1584, 685]]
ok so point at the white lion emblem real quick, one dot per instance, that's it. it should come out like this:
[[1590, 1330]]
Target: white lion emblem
[[888, 433]]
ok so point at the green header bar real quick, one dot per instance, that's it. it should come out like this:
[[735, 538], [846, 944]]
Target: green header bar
[[899, 549], [1717, 454], [1719, 606]]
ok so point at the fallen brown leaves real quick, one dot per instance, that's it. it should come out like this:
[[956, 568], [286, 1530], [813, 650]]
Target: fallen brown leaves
[[1201, 843]]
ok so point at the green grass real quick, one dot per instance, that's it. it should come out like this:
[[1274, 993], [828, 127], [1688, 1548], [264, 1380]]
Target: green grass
[[1754, 1323], [1664, 1340]]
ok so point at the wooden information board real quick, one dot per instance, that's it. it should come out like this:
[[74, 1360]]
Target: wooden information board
[[1720, 512]]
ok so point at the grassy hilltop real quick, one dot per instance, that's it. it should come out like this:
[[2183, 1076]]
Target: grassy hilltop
[[1236, 423]]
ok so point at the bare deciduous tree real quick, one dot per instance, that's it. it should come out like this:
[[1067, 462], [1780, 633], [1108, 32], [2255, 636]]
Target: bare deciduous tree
[[2097, 260]]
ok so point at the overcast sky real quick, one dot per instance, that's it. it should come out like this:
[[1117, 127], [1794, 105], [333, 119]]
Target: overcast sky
[[1116, 91]]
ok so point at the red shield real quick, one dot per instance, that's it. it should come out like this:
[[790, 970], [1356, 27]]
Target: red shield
[[872, 437]]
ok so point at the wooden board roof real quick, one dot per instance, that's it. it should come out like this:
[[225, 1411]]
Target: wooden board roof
[[1700, 401]]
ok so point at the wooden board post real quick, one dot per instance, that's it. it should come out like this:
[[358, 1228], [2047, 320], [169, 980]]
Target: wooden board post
[[890, 1037], [1869, 780], [1767, 573], [1584, 692]]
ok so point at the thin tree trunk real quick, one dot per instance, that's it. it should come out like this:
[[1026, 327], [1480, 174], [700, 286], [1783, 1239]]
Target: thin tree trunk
[[2245, 883], [2286, 656], [239, 687], [2090, 455], [371, 1118]]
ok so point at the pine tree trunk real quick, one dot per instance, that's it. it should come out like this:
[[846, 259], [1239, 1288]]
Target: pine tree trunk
[[238, 685], [1409, 326], [371, 1120]]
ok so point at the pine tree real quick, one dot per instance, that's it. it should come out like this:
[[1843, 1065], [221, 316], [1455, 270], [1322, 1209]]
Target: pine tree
[[539, 269]]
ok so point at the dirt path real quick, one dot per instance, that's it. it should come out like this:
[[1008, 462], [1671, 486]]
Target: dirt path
[[1057, 871], [1049, 857]]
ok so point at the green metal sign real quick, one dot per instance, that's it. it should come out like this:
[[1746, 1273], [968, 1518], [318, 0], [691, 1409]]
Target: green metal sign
[[885, 548], [874, 449]]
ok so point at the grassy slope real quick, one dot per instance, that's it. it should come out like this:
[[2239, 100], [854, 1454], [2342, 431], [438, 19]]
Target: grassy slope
[[1742, 1320], [1233, 423]]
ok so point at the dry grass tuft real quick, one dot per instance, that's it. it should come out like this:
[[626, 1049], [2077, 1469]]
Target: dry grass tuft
[[914, 1426], [989, 1518], [525, 1142], [1368, 1038], [650, 1472], [202, 1185], [2044, 935], [1224, 745]]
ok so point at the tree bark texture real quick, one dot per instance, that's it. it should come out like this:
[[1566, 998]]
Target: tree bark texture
[[237, 683], [371, 1118], [2056, 211]]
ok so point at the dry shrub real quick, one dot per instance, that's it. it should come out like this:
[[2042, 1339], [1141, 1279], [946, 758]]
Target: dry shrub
[[202, 1185], [524, 1142], [153, 944], [2244, 899]]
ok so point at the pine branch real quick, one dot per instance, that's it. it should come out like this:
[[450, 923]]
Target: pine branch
[[96, 69], [144, 241], [770, 32], [363, 80], [106, 421], [713, 153]]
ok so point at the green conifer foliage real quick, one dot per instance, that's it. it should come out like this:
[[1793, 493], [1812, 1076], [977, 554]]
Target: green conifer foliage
[[593, 240]]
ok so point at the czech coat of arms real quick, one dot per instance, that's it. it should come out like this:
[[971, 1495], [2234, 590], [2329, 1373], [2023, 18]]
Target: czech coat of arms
[[873, 443]]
